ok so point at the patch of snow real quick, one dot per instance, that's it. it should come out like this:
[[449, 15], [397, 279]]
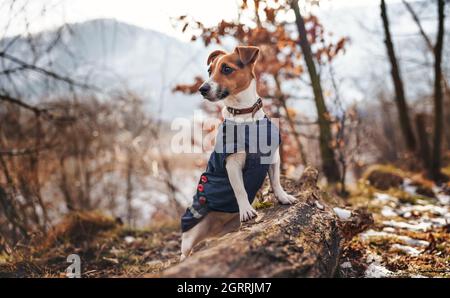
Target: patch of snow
[[407, 214], [443, 199], [426, 208], [346, 265], [318, 205], [420, 226], [418, 276], [414, 242], [376, 270], [388, 212], [421, 202], [436, 189], [388, 233], [389, 229], [373, 258], [440, 222], [342, 213], [406, 249], [383, 197], [372, 233], [408, 187], [129, 239], [423, 224]]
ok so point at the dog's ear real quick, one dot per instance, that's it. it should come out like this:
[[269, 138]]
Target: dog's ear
[[214, 55], [247, 54]]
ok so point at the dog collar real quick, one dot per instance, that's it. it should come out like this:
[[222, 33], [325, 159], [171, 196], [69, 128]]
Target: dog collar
[[253, 109]]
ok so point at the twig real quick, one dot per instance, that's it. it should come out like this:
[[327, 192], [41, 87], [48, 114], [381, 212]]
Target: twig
[[16, 101], [46, 72]]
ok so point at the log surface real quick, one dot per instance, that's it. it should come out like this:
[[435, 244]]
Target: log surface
[[301, 240]]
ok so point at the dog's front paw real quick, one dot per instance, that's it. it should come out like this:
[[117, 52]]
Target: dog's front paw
[[285, 198], [247, 213]]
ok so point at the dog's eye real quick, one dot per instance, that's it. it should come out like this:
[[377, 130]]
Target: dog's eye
[[209, 71], [227, 70]]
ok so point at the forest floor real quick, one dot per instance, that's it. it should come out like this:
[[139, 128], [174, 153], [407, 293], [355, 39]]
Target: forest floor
[[105, 251], [410, 237], [411, 233]]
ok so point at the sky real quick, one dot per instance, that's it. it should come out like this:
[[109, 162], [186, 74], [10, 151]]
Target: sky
[[149, 14]]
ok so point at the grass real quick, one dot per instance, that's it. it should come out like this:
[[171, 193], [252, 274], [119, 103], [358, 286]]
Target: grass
[[102, 245], [386, 168]]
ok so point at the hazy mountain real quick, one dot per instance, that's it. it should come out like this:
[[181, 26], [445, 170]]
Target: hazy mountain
[[113, 55]]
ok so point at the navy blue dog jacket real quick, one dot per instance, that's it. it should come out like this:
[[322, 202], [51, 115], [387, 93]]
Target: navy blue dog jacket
[[259, 140]]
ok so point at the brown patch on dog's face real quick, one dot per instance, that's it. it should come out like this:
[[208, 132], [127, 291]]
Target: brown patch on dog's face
[[229, 74]]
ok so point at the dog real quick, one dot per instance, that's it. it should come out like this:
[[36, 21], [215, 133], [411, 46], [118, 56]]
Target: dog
[[230, 183]]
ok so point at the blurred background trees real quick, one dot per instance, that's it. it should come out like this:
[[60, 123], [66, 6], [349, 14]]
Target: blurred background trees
[[432, 163], [67, 145]]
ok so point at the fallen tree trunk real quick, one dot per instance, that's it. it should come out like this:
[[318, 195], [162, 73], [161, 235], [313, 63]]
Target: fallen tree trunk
[[302, 240]]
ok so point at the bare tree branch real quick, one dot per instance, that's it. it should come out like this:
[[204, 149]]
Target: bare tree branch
[[46, 72], [20, 103]]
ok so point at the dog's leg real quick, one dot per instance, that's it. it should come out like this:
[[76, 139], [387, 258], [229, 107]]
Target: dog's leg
[[187, 243], [234, 165], [274, 176], [196, 234], [214, 224], [231, 224]]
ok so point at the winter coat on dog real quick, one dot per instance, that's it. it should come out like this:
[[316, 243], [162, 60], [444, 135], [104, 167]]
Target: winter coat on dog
[[259, 140]]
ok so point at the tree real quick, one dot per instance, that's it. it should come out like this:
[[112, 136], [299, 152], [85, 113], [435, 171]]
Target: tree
[[425, 151], [280, 61], [329, 165], [438, 96], [400, 99]]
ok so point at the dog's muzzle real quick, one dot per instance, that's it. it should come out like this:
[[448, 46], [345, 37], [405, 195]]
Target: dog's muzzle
[[204, 89], [213, 92]]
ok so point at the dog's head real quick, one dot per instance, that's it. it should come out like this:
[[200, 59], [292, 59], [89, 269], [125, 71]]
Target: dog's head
[[229, 73]]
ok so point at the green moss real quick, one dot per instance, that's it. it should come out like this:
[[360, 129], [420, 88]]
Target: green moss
[[128, 231], [387, 169], [442, 247], [446, 170], [405, 197], [262, 205]]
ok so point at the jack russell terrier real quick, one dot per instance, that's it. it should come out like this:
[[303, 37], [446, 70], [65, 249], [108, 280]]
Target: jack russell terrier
[[241, 159]]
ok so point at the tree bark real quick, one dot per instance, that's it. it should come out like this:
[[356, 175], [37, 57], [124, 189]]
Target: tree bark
[[424, 146], [329, 164], [444, 80], [302, 240], [438, 96], [282, 100], [426, 38], [447, 118], [129, 189], [400, 99]]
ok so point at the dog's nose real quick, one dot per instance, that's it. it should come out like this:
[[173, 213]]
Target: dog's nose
[[204, 89]]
